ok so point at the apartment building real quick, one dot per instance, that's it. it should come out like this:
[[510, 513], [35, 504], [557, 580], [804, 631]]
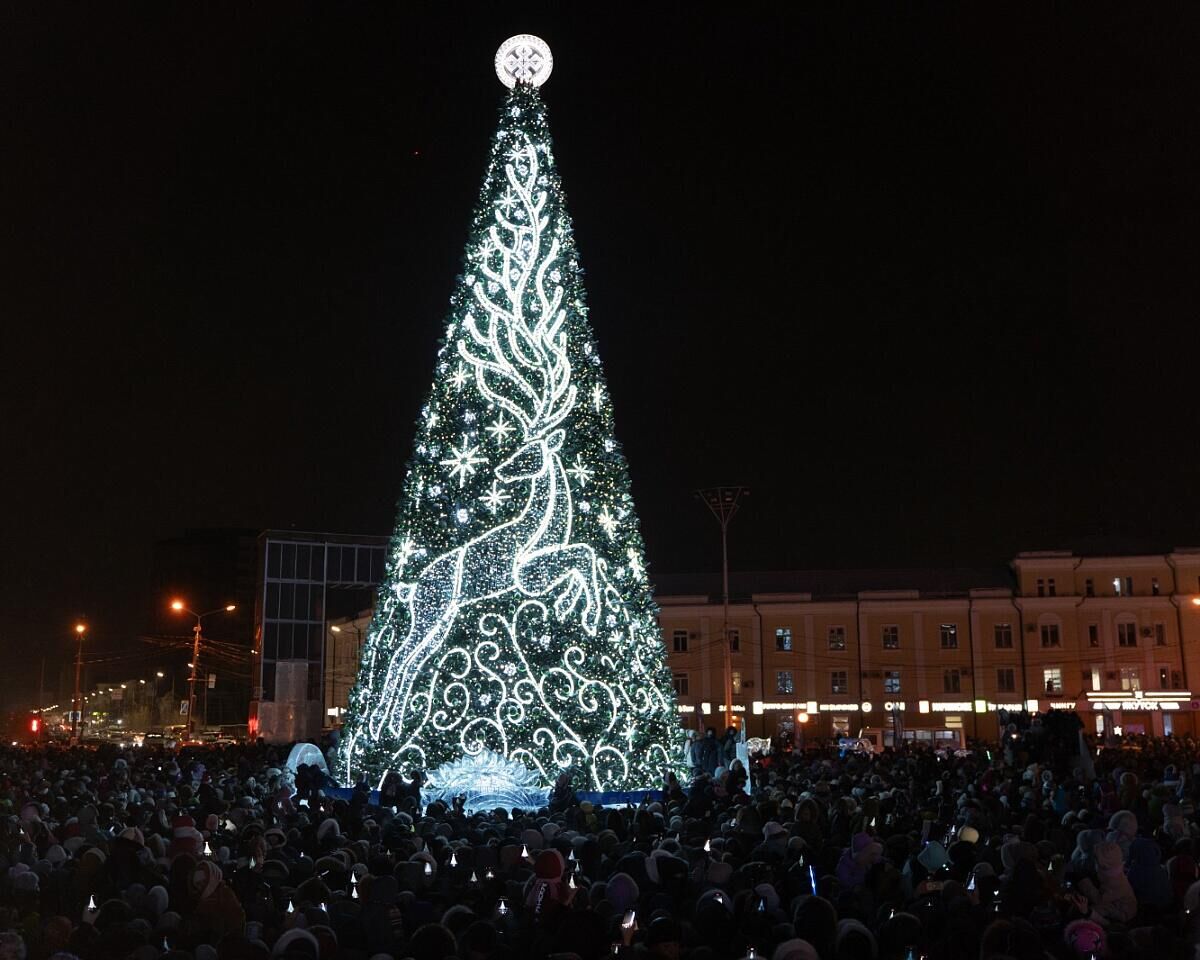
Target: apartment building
[[935, 655]]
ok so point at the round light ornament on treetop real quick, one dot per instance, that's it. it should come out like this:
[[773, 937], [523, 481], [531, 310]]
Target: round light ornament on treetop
[[524, 59]]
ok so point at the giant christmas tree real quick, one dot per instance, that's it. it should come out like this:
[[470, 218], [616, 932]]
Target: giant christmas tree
[[515, 628]]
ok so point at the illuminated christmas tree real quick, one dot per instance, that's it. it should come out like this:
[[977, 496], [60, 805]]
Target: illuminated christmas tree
[[515, 624]]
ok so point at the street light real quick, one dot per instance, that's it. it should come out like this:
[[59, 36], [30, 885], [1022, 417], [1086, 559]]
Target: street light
[[77, 703], [180, 607], [723, 502]]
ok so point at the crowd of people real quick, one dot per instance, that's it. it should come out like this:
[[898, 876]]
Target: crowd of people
[[905, 854]]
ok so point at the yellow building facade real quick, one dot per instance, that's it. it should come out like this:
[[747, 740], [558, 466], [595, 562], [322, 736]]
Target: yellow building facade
[[1116, 638]]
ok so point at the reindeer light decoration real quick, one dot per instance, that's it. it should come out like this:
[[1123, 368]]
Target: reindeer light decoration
[[516, 624]]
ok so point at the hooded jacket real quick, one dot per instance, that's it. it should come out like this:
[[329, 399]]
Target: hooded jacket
[[1111, 896]]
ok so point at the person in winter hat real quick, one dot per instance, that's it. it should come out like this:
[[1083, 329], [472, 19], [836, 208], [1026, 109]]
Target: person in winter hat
[[1110, 897], [548, 892], [1081, 863], [1148, 877], [217, 910], [862, 854], [1122, 828]]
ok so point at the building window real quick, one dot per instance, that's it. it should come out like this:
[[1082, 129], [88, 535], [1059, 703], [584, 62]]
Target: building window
[[1006, 680], [1089, 587], [735, 681], [838, 682], [1126, 634], [837, 638], [1093, 634], [1154, 586], [1116, 586], [1002, 632], [783, 681], [891, 637], [1052, 679], [891, 681], [680, 682], [679, 640], [735, 639], [1050, 587], [949, 635], [1041, 587], [1097, 678], [1129, 586], [783, 638], [952, 681], [1050, 637], [1131, 678], [1160, 634], [1164, 678]]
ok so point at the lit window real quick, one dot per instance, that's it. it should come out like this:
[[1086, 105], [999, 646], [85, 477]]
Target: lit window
[[1050, 637], [949, 636], [783, 681], [783, 638], [891, 637], [891, 681], [680, 682], [952, 681], [1052, 679], [679, 639], [1154, 586], [837, 638], [1002, 632], [1126, 634], [1097, 678], [1164, 678], [839, 682], [1131, 678], [735, 680], [1116, 586]]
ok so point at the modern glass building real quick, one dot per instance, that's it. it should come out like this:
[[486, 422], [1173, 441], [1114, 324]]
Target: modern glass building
[[305, 580]]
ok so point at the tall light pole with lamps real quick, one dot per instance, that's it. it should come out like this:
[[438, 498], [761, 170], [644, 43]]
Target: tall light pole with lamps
[[178, 606], [723, 502], [77, 703]]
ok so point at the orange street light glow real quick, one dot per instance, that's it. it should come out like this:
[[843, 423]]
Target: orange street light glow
[[176, 604], [80, 628], [231, 607]]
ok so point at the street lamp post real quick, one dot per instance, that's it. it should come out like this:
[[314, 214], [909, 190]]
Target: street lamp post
[[723, 502], [178, 606], [77, 703], [801, 720]]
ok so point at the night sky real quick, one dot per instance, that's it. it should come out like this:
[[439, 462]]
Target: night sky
[[925, 281]]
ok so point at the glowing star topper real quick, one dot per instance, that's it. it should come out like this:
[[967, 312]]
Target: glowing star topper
[[524, 59]]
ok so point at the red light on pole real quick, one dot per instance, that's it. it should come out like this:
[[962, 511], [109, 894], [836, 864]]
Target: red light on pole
[[34, 724]]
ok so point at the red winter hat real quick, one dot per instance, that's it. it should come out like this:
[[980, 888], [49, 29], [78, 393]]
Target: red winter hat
[[548, 865]]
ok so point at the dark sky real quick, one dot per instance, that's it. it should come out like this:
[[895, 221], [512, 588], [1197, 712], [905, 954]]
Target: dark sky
[[924, 280]]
